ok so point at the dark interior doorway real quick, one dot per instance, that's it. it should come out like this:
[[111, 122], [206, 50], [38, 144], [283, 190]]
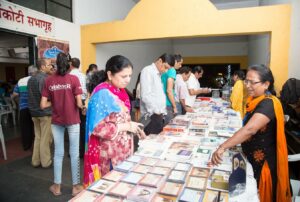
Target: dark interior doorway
[[212, 71]]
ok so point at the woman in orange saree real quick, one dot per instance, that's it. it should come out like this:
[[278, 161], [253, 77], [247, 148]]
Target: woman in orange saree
[[262, 137]]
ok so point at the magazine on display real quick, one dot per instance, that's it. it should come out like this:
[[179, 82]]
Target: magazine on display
[[86, 195], [160, 170], [149, 161], [211, 196], [200, 172], [107, 198], [198, 183], [114, 175], [177, 176], [132, 178], [171, 188], [135, 158], [142, 169], [125, 166], [183, 166], [191, 195], [219, 179], [166, 164], [141, 193], [121, 189], [151, 180], [101, 186], [163, 198]]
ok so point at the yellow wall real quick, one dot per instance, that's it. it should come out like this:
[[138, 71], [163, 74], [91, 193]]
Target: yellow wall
[[154, 19]]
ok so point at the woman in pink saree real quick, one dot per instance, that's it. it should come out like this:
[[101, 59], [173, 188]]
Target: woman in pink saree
[[108, 121]]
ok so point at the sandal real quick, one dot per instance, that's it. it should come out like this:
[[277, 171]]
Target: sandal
[[77, 189], [54, 191]]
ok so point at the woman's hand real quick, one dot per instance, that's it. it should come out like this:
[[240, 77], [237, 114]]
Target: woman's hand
[[134, 126], [216, 158], [141, 134]]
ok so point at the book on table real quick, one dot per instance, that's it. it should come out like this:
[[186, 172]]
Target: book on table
[[101, 186]]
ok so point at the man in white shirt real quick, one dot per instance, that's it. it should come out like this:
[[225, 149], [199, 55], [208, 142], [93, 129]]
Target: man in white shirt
[[74, 70], [181, 90], [153, 98], [194, 86]]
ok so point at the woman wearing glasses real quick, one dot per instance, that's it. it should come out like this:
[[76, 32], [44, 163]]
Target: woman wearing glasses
[[262, 137], [238, 96]]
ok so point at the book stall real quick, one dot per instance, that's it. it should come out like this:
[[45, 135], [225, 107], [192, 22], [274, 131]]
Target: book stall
[[173, 166]]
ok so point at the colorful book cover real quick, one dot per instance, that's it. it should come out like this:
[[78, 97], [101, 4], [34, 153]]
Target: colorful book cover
[[132, 178], [114, 175], [171, 188], [121, 189], [149, 161], [101, 186], [141, 169], [163, 198], [191, 195], [183, 166], [107, 198], [86, 195], [160, 171], [125, 166], [141, 193], [166, 164], [198, 183], [135, 158], [200, 172], [177, 176], [151, 180], [211, 196]]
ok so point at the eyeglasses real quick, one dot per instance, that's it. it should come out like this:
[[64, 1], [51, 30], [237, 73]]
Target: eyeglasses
[[246, 82]]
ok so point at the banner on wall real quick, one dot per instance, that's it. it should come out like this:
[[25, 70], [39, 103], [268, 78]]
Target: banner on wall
[[21, 19], [49, 48]]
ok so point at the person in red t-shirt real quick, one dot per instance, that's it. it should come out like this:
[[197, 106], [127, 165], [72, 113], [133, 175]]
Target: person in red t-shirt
[[63, 92]]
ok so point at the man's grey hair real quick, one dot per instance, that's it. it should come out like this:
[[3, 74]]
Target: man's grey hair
[[32, 69]]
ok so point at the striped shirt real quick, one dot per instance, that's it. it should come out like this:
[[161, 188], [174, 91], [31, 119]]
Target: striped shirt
[[22, 91], [82, 80]]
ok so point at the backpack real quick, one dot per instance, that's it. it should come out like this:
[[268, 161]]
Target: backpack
[[290, 93]]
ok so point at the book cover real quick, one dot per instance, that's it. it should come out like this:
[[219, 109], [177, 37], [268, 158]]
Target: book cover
[[107, 198], [163, 198], [224, 197], [121, 189], [198, 183], [171, 188], [160, 171], [166, 164], [200, 172], [101, 186], [141, 168], [149, 161], [86, 195], [135, 158], [125, 166], [151, 180], [191, 195], [211, 196], [219, 179], [141, 193], [132, 178], [183, 166], [114, 175], [177, 176]]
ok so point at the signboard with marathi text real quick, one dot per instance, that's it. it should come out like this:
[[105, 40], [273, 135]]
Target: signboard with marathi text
[[21, 19]]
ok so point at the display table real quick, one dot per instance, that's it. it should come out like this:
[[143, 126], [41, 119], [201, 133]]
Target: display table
[[173, 166]]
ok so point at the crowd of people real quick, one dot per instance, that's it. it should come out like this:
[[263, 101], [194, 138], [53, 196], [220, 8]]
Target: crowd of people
[[95, 109]]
